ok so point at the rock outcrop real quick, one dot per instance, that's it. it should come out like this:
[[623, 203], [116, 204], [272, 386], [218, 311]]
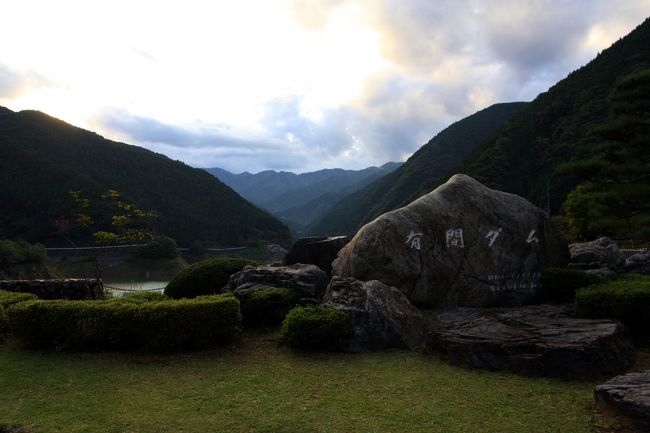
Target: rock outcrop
[[75, 289], [627, 395], [536, 340], [599, 254], [463, 244], [380, 316], [639, 263], [319, 251], [309, 281]]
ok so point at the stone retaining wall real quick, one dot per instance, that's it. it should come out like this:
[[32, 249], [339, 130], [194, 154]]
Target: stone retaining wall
[[77, 289]]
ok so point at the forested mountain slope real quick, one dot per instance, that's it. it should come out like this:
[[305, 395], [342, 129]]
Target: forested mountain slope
[[43, 158], [524, 155]]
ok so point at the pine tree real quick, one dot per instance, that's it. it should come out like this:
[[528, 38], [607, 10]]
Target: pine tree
[[615, 198]]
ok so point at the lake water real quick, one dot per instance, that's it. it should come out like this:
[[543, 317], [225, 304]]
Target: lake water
[[119, 287]]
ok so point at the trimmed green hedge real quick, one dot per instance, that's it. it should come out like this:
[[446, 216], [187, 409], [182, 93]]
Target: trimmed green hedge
[[9, 298], [560, 285], [315, 328], [627, 300], [268, 305], [140, 297], [4, 324], [205, 277], [121, 324]]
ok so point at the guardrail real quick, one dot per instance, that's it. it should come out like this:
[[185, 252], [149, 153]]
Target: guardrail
[[628, 252]]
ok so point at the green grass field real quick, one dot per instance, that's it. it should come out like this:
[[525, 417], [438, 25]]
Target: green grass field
[[256, 386]]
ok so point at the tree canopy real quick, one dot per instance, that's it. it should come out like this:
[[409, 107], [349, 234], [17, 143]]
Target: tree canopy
[[615, 198]]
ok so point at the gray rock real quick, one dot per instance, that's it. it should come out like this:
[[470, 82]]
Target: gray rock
[[627, 395], [309, 281], [71, 288], [639, 263], [604, 273], [380, 316], [319, 251], [536, 340], [461, 245], [601, 253]]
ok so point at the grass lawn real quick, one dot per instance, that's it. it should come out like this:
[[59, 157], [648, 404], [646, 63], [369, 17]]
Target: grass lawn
[[256, 386]]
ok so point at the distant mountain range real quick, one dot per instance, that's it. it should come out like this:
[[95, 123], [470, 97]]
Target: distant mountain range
[[300, 199], [43, 158], [517, 148]]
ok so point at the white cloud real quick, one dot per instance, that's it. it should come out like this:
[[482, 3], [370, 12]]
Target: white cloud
[[290, 84]]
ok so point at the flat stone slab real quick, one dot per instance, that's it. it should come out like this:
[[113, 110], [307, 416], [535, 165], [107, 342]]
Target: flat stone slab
[[541, 340], [629, 396]]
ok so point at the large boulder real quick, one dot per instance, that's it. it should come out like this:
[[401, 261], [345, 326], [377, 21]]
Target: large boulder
[[627, 395], [463, 244], [599, 254], [380, 316], [319, 251], [309, 281], [535, 340]]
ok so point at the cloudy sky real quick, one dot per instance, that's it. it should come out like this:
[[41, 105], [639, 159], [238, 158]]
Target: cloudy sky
[[250, 85]]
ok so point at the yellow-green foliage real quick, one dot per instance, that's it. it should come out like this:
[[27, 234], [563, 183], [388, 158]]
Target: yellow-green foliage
[[122, 324]]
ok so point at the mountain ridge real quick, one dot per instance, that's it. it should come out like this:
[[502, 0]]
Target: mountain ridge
[[294, 198]]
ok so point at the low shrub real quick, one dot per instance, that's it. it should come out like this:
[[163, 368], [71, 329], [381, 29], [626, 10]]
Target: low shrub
[[18, 252], [196, 249], [121, 324], [626, 299], [4, 324], [560, 285], [9, 298], [267, 306], [315, 328], [205, 277]]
